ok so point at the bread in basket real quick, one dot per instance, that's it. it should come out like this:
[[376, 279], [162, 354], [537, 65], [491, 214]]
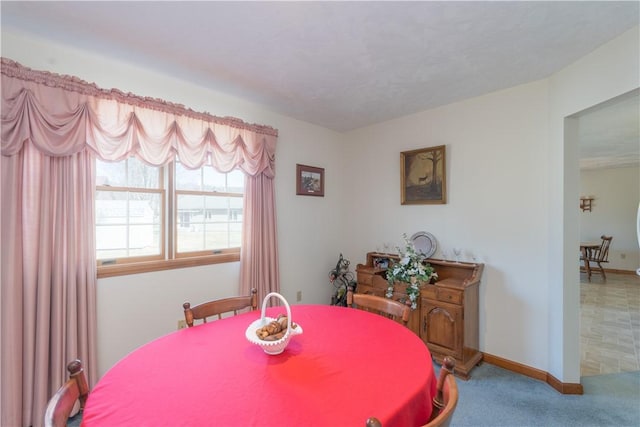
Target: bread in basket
[[277, 346]]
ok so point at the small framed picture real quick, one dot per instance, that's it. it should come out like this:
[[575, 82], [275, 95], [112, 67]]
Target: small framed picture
[[381, 263], [309, 181]]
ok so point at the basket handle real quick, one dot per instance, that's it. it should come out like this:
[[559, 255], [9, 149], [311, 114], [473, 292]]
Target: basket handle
[[286, 304]]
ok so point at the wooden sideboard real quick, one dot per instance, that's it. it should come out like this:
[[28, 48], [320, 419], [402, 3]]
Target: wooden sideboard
[[447, 316]]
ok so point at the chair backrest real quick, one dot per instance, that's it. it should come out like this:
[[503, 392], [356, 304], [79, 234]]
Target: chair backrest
[[443, 403], [601, 254], [446, 399], [384, 306], [62, 403], [219, 307]]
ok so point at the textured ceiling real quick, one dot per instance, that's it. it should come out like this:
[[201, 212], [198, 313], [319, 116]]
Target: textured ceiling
[[609, 134], [341, 65]]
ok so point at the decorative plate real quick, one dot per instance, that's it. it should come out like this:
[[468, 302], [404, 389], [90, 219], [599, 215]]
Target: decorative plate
[[425, 243]]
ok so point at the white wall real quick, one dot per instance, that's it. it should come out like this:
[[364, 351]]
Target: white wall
[[134, 309], [496, 209], [607, 72], [616, 194]]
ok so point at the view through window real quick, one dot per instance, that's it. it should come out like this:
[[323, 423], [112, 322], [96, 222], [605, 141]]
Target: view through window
[[146, 213]]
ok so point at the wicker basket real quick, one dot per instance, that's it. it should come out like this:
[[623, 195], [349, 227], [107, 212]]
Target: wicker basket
[[278, 346]]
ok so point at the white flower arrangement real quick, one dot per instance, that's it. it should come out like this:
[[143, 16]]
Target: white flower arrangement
[[411, 269]]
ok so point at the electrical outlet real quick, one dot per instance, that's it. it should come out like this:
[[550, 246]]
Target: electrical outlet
[[298, 296], [182, 324]]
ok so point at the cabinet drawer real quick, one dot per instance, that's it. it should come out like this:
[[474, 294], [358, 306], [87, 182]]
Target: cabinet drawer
[[442, 294], [429, 291], [449, 295], [365, 278]]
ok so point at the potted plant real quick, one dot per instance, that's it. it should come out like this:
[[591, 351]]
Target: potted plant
[[411, 269]]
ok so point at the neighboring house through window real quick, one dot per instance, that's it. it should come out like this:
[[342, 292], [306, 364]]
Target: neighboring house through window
[[146, 213]]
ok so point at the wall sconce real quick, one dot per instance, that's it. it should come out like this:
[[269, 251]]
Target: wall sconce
[[585, 203]]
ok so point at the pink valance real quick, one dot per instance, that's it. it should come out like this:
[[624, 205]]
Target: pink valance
[[63, 115]]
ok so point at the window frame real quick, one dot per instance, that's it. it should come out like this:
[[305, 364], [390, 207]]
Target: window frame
[[142, 258], [169, 258], [206, 252]]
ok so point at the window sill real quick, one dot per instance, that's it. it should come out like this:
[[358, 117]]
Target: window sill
[[165, 264]]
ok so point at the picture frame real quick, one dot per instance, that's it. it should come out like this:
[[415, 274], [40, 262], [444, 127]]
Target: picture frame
[[423, 176], [381, 263], [309, 180]]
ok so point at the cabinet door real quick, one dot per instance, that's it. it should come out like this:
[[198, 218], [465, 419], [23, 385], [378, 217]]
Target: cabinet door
[[442, 327]]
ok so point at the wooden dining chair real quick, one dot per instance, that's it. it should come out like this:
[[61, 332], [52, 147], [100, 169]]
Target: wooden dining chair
[[62, 403], [384, 306], [596, 257], [443, 403], [219, 307]]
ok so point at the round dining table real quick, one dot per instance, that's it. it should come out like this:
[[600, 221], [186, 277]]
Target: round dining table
[[346, 366]]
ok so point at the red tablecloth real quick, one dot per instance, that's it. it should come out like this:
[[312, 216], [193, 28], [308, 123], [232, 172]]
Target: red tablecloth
[[346, 366]]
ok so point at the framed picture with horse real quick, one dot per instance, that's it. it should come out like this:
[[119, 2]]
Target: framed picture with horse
[[309, 181], [423, 176]]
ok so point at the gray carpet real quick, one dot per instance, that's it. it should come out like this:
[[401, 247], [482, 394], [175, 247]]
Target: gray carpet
[[497, 397], [75, 421]]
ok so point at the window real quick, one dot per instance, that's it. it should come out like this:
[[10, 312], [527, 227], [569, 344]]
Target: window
[[149, 218], [129, 211], [209, 210]]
